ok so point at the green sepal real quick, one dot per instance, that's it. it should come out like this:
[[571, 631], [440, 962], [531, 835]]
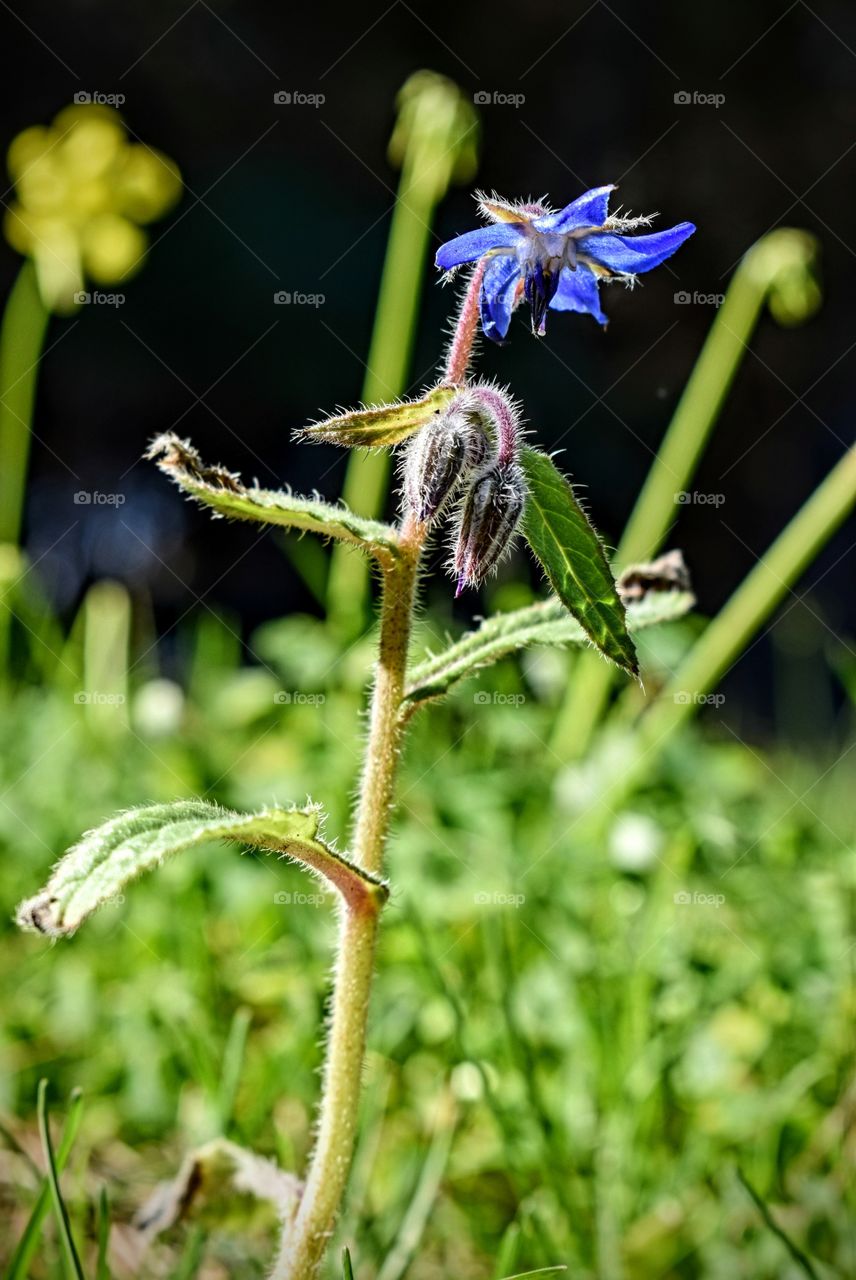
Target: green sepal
[[381, 426]]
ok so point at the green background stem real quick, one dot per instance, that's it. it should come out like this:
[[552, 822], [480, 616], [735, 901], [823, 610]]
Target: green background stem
[[737, 623], [434, 142], [22, 335], [367, 476], [774, 262], [757, 596]]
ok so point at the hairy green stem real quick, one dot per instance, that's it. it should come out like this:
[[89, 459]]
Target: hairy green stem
[[22, 335], [305, 1238]]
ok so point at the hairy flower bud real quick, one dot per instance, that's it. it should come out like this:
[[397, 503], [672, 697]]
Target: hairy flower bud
[[440, 457], [489, 517]]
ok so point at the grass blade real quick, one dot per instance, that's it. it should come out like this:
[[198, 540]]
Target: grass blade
[[424, 1197], [801, 1259], [20, 1265], [540, 1271], [72, 1258], [233, 1061], [102, 1269]]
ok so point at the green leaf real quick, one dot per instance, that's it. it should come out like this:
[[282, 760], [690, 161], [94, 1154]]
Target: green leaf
[[97, 869], [546, 623], [224, 492], [573, 558], [347, 1268], [380, 427]]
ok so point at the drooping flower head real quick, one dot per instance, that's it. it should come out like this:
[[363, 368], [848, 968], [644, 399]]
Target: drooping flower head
[[468, 458], [555, 260]]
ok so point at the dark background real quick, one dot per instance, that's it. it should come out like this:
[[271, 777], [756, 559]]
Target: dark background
[[299, 198]]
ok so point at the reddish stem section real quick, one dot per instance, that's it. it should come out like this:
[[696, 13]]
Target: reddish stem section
[[461, 350]]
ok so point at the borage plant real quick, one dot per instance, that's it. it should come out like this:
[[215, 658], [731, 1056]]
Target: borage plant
[[464, 466]]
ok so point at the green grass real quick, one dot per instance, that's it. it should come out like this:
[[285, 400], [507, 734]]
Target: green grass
[[567, 1065]]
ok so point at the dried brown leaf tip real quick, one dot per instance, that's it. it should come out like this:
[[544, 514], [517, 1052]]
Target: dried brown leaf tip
[[173, 454], [667, 573]]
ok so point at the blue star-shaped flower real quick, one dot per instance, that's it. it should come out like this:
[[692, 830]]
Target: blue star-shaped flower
[[555, 260]]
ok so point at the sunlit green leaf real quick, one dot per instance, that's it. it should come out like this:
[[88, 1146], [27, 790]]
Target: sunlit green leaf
[[97, 869], [573, 558], [547, 623]]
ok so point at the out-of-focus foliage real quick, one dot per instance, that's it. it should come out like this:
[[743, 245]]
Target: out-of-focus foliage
[[82, 192], [588, 1033]]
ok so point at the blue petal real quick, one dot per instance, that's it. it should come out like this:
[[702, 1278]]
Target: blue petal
[[589, 210], [499, 286], [475, 244], [577, 291], [635, 253]]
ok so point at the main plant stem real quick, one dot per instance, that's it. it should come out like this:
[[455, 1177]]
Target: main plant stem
[[305, 1238]]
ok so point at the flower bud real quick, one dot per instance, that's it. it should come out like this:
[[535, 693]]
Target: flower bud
[[440, 457], [489, 518]]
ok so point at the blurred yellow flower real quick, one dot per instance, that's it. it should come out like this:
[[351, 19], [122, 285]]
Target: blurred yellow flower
[[82, 189]]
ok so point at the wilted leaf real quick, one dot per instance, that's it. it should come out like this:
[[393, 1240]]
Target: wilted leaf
[[220, 1180], [572, 556], [223, 491], [667, 573]]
